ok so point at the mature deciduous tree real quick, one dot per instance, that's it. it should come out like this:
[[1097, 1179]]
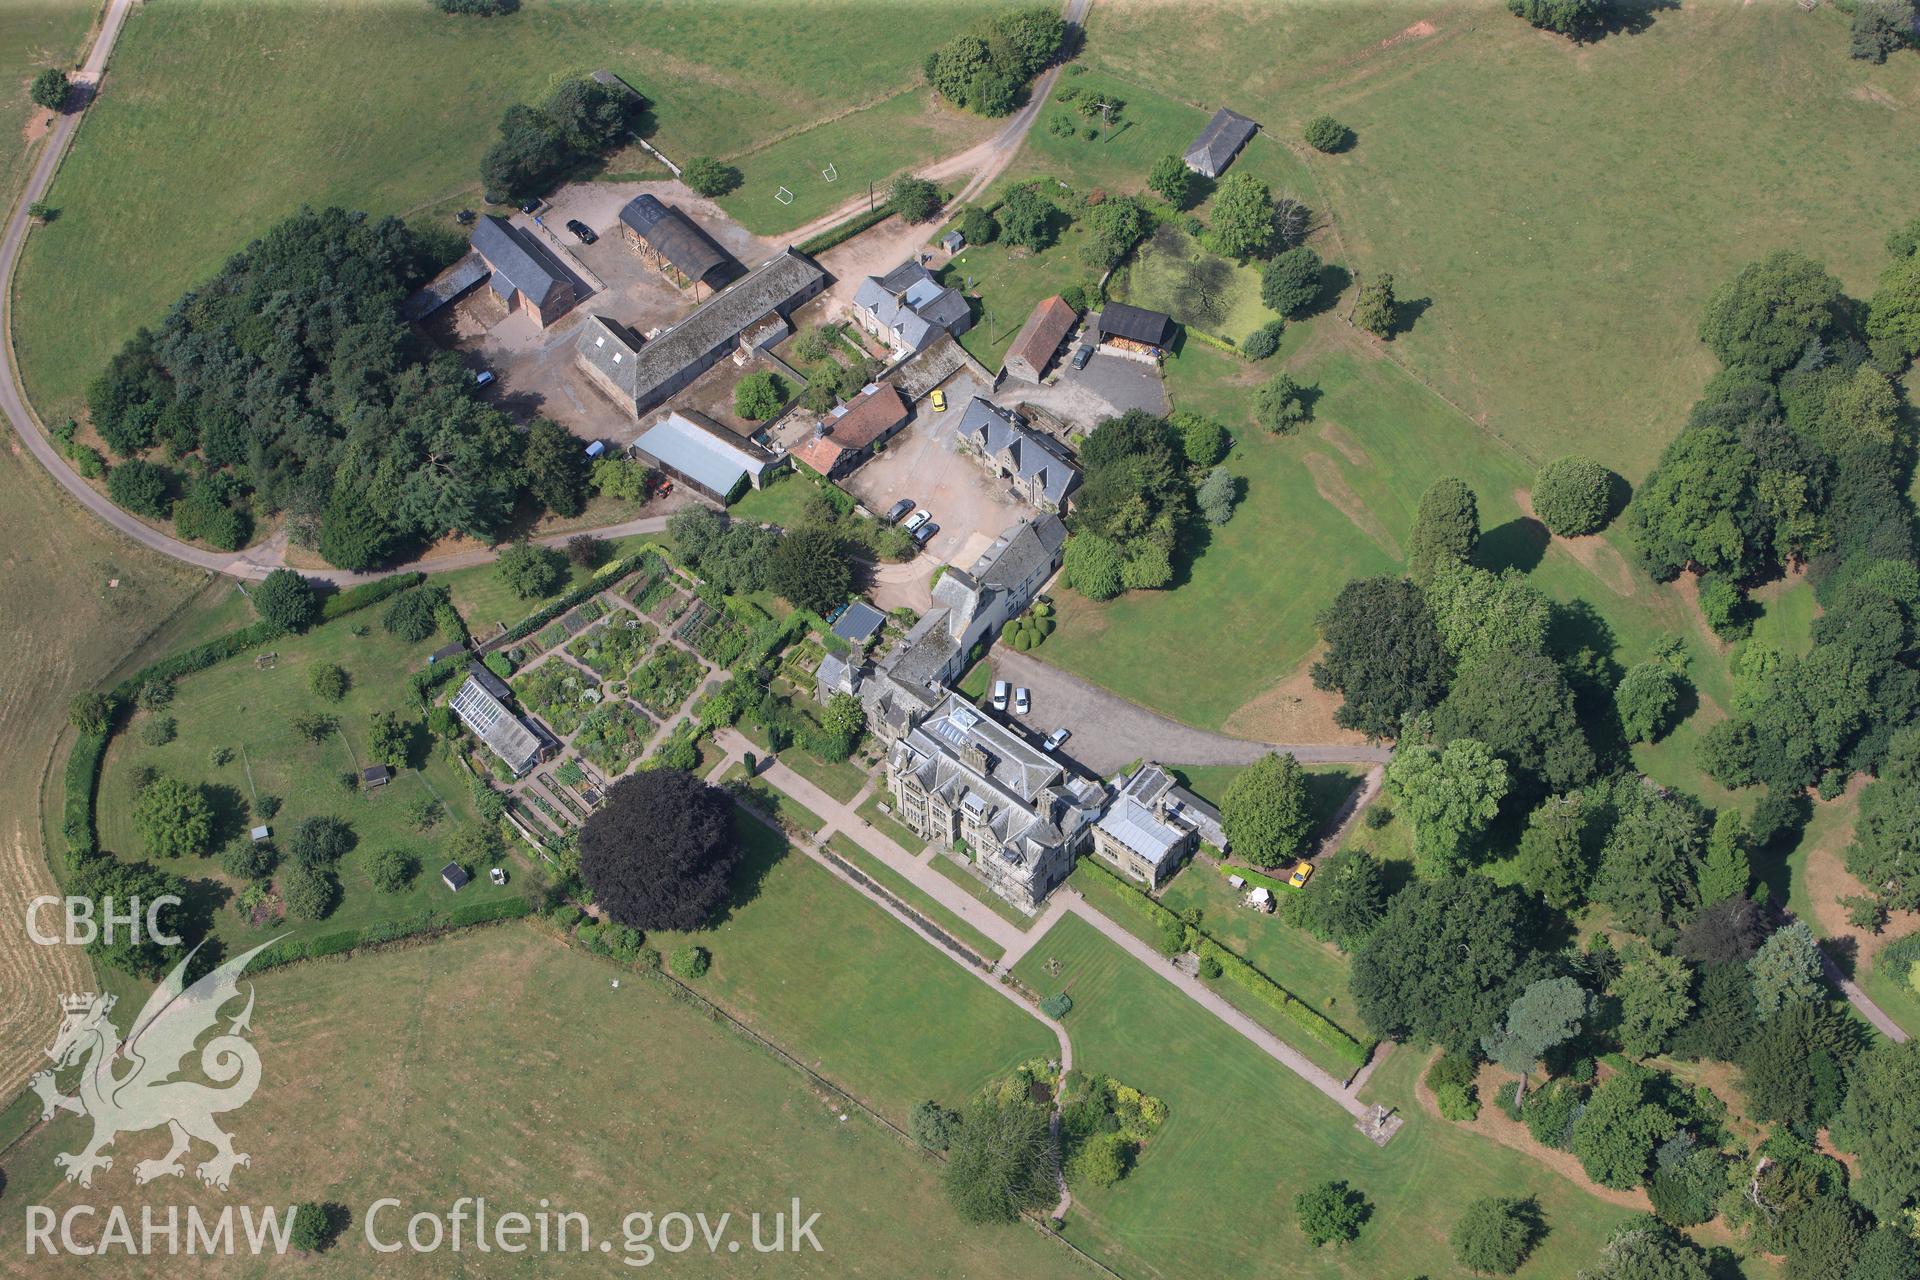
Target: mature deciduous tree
[[1383, 654], [50, 89], [1330, 1212], [1446, 962], [1001, 1162], [1480, 613], [1648, 699], [1343, 902], [1885, 853], [1648, 1249], [913, 199], [1290, 283], [1520, 706], [1265, 809], [1446, 528], [1615, 1137], [1242, 224], [1764, 317], [1495, 1234], [531, 570], [1646, 865], [1171, 180], [1374, 307], [1026, 217], [1557, 850], [1280, 404], [1449, 793], [660, 853], [173, 818], [1572, 496]]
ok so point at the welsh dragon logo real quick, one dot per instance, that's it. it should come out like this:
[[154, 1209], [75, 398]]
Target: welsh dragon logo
[[129, 1085]]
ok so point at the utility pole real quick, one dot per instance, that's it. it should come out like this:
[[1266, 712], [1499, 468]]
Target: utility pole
[[1106, 119]]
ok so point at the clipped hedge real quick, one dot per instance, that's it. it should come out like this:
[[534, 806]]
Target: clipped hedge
[[83, 780], [1302, 1015], [333, 944], [842, 232], [1222, 344], [488, 912], [1242, 974], [354, 599]]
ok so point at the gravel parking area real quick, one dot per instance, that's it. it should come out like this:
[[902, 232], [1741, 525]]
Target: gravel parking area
[[921, 463]]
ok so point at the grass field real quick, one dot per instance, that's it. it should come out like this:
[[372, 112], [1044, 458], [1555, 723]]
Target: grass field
[[1313, 970], [953, 871], [868, 147], [249, 711], [258, 93], [78, 601], [33, 37], [526, 1077], [1335, 502], [1567, 263], [1220, 909], [1213, 1192]]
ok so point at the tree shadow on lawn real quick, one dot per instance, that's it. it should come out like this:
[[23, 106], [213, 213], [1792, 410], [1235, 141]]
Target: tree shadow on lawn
[[1326, 792], [1407, 313], [761, 849], [1520, 543], [1626, 18], [230, 813]]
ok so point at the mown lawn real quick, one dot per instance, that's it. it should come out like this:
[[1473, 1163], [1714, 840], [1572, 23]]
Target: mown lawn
[[1212, 1194], [260, 94], [1219, 906], [1314, 971], [1559, 222], [248, 711], [850, 990], [502, 1064], [914, 896]]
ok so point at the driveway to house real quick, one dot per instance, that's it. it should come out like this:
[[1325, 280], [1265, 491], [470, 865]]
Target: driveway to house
[[1110, 732]]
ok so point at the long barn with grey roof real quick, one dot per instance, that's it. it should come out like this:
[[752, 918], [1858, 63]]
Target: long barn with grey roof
[[526, 276], [638, 374]]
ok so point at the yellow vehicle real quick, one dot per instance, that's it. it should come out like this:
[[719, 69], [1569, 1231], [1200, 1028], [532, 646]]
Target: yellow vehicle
[[1302, 872], [939, 400]]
